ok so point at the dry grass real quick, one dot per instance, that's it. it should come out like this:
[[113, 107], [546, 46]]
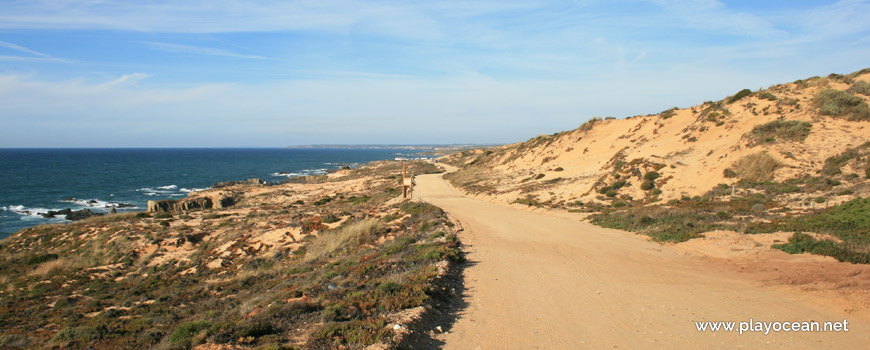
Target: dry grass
[[330, 241], [108, 218], [54, 265], [756, 167]]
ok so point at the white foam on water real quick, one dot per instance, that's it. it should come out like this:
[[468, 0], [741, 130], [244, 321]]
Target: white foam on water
[[189, 190], [28, 213], [287, 175], [170, 187], [92, 203]]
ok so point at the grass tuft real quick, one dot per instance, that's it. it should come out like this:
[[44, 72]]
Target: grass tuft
[[756, 167], [330, 241]]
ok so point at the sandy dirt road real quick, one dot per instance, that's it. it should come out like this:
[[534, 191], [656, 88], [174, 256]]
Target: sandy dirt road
[[541, 282]]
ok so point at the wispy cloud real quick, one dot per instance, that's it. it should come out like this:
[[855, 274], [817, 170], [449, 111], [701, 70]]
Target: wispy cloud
[[716, 16], [36, 55], [198, 50]]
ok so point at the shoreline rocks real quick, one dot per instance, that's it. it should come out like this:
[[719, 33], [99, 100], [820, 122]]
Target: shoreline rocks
[[184, 204], [71, 215]]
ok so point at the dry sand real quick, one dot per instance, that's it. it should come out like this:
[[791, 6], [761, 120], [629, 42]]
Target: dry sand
[[694, 149], [542, 282]]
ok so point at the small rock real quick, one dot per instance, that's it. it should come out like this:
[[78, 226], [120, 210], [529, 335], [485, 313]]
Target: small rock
[[439, 329], [397, 327]]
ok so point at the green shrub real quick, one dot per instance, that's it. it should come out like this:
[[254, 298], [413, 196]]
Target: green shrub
[[791, 130], [81, 333], [803, 243], [618, 184], [420, 209], [324, 200], [660, 223], [767, 96], [163, 216], [330, 218], [389, 287], [539, 176], [610, 193], [739, 95], [729, 173], [646, 185], [187, 330], [589, 124], [357, 332], [860, 87], [842, 104], [668, 113], [527, 201], [39, 259], [358, 200], [652, 175]]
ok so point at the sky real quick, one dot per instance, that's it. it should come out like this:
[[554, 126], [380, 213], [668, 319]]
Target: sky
[[219, 73]]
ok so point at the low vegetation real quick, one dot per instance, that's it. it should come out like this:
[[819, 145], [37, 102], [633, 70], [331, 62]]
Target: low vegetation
[[860, 87], [740, 95], [781, 130], [850, 222], [842, 104], [755, 167], [214, 276]]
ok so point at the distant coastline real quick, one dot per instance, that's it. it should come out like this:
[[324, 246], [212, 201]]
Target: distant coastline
[[405, 147]]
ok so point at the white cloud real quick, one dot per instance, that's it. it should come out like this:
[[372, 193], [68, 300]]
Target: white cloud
[[198, 50], [36, 55], [203, 16], [715, 16], [356, 109]]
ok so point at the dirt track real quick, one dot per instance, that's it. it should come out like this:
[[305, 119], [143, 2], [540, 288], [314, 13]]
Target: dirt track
[[541, 282]]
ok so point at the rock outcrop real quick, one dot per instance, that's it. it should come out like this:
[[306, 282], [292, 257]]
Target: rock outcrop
[[72, 215], [254, 181], [185, 204]]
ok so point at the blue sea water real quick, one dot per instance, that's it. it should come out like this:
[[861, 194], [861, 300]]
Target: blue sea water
[[33, 181]]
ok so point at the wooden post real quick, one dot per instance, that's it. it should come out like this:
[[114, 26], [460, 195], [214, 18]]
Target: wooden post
[[404, 188]]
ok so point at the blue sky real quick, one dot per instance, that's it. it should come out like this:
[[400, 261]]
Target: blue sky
[[90, 73]]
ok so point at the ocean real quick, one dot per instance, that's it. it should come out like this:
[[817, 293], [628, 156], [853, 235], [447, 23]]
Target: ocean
[[34, 181]]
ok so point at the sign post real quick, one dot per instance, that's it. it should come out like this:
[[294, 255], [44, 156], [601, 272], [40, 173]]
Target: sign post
[[407, 182]]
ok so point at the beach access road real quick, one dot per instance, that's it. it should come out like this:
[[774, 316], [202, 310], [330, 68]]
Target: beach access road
[[537, 281]]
